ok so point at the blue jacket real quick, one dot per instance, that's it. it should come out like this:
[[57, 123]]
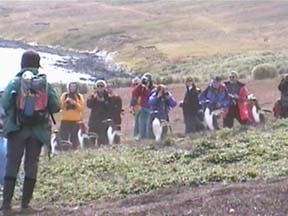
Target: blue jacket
[[162, 106], [219, 97]]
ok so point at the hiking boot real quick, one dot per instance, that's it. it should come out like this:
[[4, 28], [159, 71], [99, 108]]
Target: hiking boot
[[28, 188], [8, 191]]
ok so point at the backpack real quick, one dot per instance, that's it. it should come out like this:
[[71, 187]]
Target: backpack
[[32, 99]]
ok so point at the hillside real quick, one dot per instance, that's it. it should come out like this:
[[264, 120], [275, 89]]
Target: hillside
[[154, 35]]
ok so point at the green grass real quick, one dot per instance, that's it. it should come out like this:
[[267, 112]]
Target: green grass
[[226, 155], [202, 68]]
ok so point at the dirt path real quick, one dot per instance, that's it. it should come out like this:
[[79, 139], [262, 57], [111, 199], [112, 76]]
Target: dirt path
[[249, 198]]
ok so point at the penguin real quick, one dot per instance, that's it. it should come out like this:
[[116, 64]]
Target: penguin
[[257, 112], [157, 129], [111, 131], [84, 136], [210, 117], [54, 142]]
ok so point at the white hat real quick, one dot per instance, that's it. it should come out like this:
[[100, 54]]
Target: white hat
[[234, 73], [136, 80], [100, 82]]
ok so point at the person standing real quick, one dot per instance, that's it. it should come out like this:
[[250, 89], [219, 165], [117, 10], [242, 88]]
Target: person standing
[[238, 104], [160, 103], [72, 106], [115, 110], [283, 88], [143, 91], [99, 104], [216, 95], [26, 129], [135, 109], [191, 107]]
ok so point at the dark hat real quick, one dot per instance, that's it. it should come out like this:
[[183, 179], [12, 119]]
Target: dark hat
[[148, 76], [30, 58], [217, 79]]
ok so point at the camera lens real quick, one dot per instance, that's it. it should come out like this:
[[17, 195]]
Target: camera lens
[[144, 81]]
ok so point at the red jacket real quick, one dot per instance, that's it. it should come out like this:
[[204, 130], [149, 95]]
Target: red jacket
[[143, 93], [243, 104]]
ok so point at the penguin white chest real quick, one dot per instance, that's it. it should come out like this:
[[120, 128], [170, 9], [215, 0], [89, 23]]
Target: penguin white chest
[[157, 129], [110, 135], [208, 117], [256, 114]]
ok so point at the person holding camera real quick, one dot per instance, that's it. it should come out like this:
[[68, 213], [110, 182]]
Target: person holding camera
[[283, 88], [216, 96], [238, 105], [99, 103], [72, 106], [135, 109], [160, 103], [142, 92]]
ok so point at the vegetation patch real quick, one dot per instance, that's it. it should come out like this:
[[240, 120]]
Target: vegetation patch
[[227, 155]]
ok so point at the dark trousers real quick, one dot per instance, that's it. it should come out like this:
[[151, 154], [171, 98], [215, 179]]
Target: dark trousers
[[69, 131], [283, 111], [101, 130], [232, 114], [193, 123], [18, 143]]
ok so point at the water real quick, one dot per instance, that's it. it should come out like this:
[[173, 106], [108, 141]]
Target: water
[[10, 65]]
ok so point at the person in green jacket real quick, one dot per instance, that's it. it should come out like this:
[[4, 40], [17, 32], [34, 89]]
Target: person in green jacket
[[24, 139]]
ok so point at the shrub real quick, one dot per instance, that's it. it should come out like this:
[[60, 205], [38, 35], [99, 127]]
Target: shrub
[[83, 88], [264, 71], [121, 82], [167, 80]]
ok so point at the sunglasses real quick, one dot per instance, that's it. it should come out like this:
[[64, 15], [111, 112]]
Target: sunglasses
[[100, 86], [232, 77]]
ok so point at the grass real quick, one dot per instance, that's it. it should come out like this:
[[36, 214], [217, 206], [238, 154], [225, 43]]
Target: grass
[[226, 155], [205, 67]]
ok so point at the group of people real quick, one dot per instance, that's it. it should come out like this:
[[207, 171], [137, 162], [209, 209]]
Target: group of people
[[29, 103], [149, 101], [104, 104]]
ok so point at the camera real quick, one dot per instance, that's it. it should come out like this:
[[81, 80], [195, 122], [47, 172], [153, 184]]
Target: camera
[[144, 81], [70, 106], [165, 94], [100, 94]]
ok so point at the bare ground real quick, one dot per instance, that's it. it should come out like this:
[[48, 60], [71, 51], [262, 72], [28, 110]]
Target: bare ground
[[262, 197]]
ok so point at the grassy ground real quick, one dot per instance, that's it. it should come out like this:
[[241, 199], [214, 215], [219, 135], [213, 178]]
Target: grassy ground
[[228, 155]]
